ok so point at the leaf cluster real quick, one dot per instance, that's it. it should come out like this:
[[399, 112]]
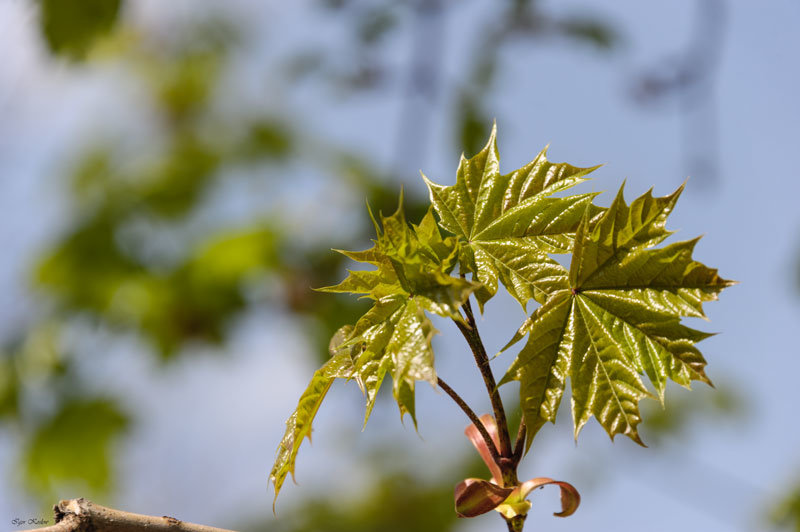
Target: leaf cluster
[[611, 318]]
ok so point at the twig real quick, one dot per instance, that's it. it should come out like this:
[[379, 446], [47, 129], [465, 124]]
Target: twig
[[472, 417], [516, 523], [519, 445], [470, 332], [80, 515]]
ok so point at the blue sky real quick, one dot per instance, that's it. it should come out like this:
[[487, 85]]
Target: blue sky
[[716, 477]]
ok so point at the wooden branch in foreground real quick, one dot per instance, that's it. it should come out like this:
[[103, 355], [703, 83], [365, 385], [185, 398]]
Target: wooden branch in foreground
[[80, 515]]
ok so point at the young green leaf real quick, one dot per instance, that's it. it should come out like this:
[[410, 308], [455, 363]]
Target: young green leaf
[[393, 337], [617, 317], [298, 426], [412, 275], [411, 262], [508, 223]]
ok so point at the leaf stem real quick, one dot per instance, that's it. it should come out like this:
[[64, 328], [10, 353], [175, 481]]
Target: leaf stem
[[516, 523], [519, 444], [470, 333], [472, 417]]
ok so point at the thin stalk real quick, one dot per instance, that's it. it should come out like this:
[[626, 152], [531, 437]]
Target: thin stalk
[[508, 459], [472, 417], [470, 333], [516, 523], [519, 444]]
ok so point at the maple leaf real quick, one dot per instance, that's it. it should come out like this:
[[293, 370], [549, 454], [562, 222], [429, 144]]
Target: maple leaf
[[298, 426], [613, 317], [507, 224], [412, 275], [616, 317]]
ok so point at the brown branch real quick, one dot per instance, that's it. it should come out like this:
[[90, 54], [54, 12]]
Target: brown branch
[[470, 332], [80, 515], [472, 417], [519, 445]]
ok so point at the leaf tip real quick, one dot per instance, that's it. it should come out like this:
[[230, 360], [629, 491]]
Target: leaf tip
[[508, 377], [403, 412], [374, 220], [400, 201], [576, 432], [633, 434], [277, 488], [491, 144], [621, 191]]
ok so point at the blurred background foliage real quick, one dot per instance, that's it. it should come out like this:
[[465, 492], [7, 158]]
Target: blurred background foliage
[[72, 32], [786, 512], [145, 251]]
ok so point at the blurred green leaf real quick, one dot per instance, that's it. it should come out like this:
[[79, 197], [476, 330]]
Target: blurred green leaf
[[472, 125], [786, 512], [71, 27], [174, 185], [267, 138], [198, 299], [379, 189], [73, 448], [86, 268], [376, 23], [676, 415], [590, 30], [184, 84], [229, 257], [9, 387], [91, 178], [396, 502], [399, 503], [313, 269], [195, 300]]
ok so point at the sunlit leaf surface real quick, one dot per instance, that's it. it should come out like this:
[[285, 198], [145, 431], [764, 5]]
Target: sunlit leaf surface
[[613, 317], [507, 224], [393, 337], [616, 318]]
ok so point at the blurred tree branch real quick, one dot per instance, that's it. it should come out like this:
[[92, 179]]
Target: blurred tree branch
[[690, 77], [80, 515]]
